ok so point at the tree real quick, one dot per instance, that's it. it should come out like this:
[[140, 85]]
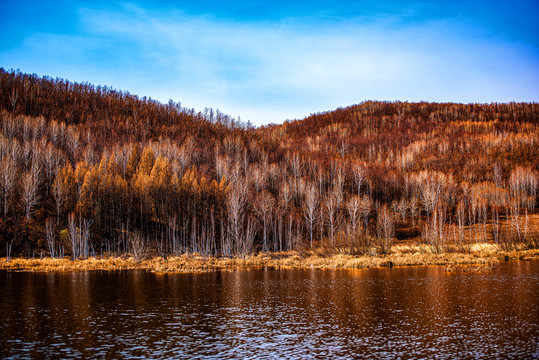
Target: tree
[[51, 161], [147, 161], [263, 206], [353, 208], [89, 197], [64, 190], [29, 189], [7, 182], [431, 185], [400, 207], [309, 210], [359, 176], [50, 233], [331, 207], [365, 208], [235, 202], [13, 98], [79, 237], [413, 207], [461, 217], [138, 245], [132, 163], [386, 228]]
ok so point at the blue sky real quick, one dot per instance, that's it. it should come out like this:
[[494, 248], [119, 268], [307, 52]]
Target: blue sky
[[271, 61]]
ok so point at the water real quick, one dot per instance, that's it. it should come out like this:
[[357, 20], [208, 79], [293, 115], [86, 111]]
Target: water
[[418, 312]]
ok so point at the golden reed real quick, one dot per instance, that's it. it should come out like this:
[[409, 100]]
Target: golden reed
[[401, 255]]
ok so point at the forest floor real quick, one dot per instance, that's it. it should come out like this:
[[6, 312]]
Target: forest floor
[[482, 256]]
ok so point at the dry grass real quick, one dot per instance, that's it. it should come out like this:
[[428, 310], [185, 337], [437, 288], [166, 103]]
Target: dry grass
[[402, 255]]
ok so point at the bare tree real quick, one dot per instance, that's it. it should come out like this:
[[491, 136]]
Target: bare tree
[[359, 176], [286, 199], [51, 161], [496, 225], [50, 234], [263, 206], [514, 208], [497, 175], [309, 210], [59, 194], [85, 236], [13, 99], [7, 182], [138, 245], [222, 166], [461, 217], [245, 246], [353, 208], [413, 207], [73, 236], [259, 178], [523, 184], [331, 207], [400, 207], [72, 140], [338, 185], [431, 186], [285, 194], [235, 201], [79, 236], [365, 208], [296, 165], [483, 210], [526, 225], [29, 189], [439, 219], [9, 245], [386, 228]]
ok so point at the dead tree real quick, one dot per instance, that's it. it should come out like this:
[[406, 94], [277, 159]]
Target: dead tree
[[263, 207], [50, 234], [309, 210], [386, 229]]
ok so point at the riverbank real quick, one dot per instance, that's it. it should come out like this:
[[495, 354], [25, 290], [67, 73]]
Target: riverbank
[[402, 255]]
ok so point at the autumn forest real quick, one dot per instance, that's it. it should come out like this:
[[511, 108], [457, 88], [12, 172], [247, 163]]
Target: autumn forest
[[89, 171]]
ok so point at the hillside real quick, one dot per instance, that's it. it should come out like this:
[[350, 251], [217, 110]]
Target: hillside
[[90, 170]]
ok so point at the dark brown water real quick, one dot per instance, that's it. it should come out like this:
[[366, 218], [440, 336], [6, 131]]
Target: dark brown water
[[420, 312]]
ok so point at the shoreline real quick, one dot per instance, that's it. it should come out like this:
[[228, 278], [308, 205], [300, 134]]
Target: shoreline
[[412, 255]]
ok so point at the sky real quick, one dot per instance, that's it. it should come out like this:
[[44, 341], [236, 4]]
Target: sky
[[269, 61]]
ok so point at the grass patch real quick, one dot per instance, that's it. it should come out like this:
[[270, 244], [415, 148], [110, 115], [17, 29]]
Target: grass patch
[[401, 255]]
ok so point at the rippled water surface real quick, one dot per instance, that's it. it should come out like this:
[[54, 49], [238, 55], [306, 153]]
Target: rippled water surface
[[377, 313]]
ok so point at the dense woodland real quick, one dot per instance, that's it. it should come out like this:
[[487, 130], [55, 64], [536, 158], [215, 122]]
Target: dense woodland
[[89, 171]]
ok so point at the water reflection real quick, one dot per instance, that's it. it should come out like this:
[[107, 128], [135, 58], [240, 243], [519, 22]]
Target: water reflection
[[377, 313]]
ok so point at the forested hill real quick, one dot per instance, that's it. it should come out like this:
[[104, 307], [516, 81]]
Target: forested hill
[[107, 114], [465, 140], [89, 170]]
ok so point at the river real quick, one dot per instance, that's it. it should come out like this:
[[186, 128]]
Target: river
[[414, 312]]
